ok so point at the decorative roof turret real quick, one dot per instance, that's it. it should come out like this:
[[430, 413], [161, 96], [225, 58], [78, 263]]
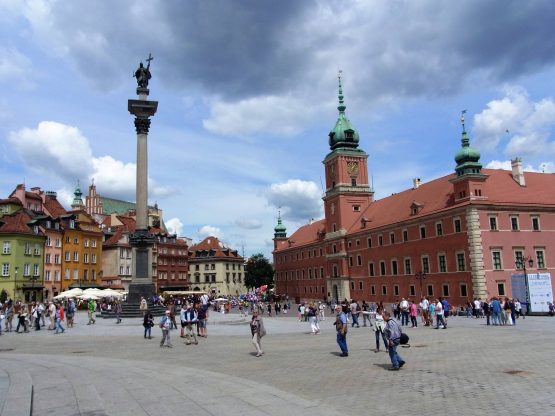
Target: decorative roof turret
[[467, 158], [77, 200], [280, 231], [343, 134]]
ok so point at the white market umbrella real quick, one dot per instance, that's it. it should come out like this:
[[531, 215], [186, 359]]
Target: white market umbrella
[[87, 296], [110, 293]]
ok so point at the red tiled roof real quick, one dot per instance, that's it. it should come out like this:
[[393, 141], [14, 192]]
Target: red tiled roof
[[32, 195], [214, 244], [129, 223], [114, 239], [437, 195], [15, 223], [53, 207], [306, 234], [11, 200], [499, 189]]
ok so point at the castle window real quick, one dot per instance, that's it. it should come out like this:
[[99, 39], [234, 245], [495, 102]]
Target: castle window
[[493, 223], [356, 208], [514, 223], [353, 182]]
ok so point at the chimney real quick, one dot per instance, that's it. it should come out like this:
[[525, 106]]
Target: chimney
[[416, 182], [518, 174]]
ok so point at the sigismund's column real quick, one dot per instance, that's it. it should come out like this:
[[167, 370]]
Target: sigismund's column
[[141, 282]]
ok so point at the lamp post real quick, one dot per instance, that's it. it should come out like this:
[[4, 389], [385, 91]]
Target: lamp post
[[15, 282], [420, 276], [521, 265]]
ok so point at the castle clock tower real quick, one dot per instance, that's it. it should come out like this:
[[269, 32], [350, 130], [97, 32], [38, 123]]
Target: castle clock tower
[[348, 192], [347, 196]]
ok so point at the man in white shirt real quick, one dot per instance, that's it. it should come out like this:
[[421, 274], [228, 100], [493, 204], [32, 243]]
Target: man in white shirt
[[424, 305], [439, 315], [404, 305], [478, 307]]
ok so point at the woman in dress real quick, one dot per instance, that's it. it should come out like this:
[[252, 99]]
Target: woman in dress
[[257, 332]]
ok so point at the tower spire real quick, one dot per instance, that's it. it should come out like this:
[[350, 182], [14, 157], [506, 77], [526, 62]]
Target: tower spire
[[467, 158], [341, 107], [280, 231], [343, 135]]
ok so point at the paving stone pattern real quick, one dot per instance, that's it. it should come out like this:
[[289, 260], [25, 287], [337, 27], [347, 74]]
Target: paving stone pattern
[[110, 369]]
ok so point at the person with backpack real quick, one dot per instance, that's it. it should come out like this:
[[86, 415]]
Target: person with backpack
[[70, 313], [392, 333]]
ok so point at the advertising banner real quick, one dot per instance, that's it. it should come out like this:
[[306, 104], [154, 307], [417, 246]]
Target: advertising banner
[[541, 291], [539, 287]]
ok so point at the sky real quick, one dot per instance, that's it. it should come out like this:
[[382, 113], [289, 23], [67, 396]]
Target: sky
[[247, 93]]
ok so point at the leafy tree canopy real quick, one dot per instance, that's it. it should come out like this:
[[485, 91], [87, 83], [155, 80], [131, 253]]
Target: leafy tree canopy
[[258, 271]]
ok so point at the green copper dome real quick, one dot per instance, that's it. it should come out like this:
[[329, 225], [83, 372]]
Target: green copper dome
[[77, 201], [280, 230], [467, 158], [343, 134]]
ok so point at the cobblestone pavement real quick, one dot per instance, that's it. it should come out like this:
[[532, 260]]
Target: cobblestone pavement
[[110, 369]]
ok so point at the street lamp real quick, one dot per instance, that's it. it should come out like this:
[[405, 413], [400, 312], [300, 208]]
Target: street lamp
[[15, 283], [420, 276], [521, 265]]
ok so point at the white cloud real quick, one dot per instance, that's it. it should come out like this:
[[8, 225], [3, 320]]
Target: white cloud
[[526, 124], [174, 226], [210, 231], [299, 200], [547, 167], [56, 149], [284, 115], [62, 151], [114, 175]]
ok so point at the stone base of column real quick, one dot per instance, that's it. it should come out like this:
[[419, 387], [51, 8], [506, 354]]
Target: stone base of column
[[136, 290]]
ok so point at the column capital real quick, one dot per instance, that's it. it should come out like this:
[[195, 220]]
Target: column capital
[[142, 125]]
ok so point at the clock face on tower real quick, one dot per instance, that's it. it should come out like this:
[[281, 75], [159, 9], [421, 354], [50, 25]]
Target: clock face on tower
[[352, 168]]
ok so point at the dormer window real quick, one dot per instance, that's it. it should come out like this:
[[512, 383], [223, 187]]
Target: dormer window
[[71, 224]]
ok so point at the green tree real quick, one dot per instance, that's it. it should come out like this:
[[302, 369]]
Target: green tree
[[258, 271]]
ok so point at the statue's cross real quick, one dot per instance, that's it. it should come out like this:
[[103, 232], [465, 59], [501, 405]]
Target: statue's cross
[[150, 58]]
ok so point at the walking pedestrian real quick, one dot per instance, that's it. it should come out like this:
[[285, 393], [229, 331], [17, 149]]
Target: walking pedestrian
[[70, 315], [189, 317], [91, 308], [379, 327], [118, 310], [257, 332], [393, 336], [341, 329], [165, 325], [440, 322], [313, 317], [413, 310], [148, 323], [59, 319]]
